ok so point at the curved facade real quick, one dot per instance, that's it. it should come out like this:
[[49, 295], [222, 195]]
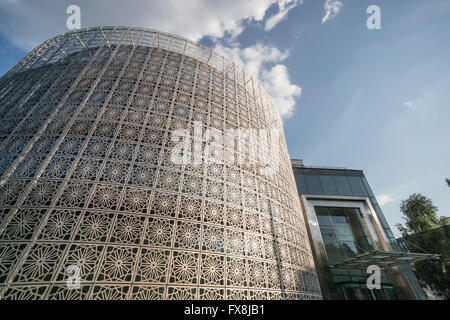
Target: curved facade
[[86, 177]]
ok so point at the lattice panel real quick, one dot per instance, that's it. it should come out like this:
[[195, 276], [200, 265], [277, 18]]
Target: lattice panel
[[86, 177]]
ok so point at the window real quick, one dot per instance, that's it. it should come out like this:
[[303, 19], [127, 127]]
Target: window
[[313, 183], [343, 232], [328, 184], [343, 186], [344, 235], [357, 186]]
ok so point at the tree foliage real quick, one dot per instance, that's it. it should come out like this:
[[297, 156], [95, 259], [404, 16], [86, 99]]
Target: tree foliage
[[419, 214], [424, 229], [433, 273]]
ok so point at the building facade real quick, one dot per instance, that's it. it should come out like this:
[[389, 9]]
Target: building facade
[[345, 221], [89, 194]]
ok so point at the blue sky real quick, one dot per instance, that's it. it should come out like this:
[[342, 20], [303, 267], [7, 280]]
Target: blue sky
[[377, 100]]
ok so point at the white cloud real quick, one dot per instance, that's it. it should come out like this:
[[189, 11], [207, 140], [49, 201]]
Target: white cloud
[[412, 103], [253, 58], [28, 23], [384, 199], [332, 8], [262, 61], [284, 6], [283, 92]]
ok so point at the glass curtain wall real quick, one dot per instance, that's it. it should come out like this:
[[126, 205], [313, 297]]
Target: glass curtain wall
[[345, 236]]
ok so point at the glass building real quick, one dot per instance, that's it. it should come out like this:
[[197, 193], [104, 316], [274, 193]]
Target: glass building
[[87, 183], [346, 228]]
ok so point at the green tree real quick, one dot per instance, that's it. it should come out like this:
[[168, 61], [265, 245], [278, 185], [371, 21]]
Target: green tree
[[434, 274], [443, 221], [419, 214], [424, 229]]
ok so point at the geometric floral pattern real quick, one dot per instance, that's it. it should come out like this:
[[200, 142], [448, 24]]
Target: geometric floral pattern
[[86, 177]]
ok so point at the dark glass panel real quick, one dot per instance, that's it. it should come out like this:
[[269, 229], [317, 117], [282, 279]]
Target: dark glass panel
[[343, 186], [328, 185], [357, 186], [313, 183], [321, 211], [367, 187], [301, 183], [339, 215], [390, 293], [324, 220]]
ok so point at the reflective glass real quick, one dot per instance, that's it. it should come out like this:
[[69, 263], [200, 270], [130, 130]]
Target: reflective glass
[[357, 186], [343, 186], [313, 183], [328, 185]]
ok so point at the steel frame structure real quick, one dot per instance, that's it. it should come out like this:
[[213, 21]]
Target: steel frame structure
[[86, 180]]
